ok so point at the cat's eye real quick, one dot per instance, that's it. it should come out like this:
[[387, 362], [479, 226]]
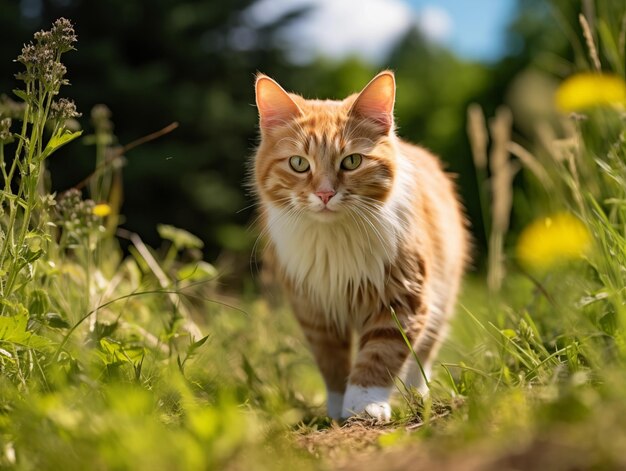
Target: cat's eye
[[299, 164], [351, 162]]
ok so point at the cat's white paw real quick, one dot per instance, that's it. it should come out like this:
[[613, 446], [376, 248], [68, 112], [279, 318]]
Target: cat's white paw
[[369, 401], [381, 411], [334, 404]]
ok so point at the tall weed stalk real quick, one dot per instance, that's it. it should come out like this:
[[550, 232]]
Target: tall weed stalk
[[25, 227]]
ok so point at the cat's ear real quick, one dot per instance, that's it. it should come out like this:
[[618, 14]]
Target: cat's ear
[[376, 101], [275, 105]]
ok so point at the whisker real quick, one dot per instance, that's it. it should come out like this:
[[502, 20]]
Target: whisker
[[263, 210], [258, 203], [264, 232], [399, 215], [365, 218], [361, 228]]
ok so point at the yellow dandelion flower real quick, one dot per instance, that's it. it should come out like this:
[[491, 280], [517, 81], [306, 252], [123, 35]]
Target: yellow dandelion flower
[[101, 210], [549, 241], [585, 90]]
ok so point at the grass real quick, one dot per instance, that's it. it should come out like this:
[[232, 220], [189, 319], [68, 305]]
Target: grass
[[106, 363]]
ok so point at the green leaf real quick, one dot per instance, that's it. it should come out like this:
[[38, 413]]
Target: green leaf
[[54, 320], [31, 255], [251, 376], [179, 237], [21, 94], [191, 350], [118, 353], [133, 354], [13, 309], [38, 302], [509, 333], [14, 330], [197, 271], [105, 330], [60, 138], [110, 346], [137, 367]]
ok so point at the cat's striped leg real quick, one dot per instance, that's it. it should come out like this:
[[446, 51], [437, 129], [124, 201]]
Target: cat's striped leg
[[417, 377], [426, 347], [381, 357], [332, 354]]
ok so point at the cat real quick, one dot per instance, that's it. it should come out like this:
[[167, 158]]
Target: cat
[[358, 223]]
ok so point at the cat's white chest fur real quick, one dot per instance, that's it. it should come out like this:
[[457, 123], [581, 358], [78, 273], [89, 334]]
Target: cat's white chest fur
[[328, 261]]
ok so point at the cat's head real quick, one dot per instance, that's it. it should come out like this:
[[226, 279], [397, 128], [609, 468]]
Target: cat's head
[[326, 159]]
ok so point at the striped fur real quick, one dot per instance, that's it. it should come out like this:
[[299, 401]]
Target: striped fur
[[392, 237]]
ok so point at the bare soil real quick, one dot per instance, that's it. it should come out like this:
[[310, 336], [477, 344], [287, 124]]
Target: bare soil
[[356, 446]]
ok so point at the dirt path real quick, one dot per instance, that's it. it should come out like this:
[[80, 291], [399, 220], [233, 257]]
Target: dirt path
[[340, 444], [360, 446]]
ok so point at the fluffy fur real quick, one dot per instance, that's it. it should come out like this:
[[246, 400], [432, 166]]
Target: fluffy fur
[[350, 245]]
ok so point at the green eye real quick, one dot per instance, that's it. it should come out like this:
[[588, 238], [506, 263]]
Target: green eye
[[351, 162], [299, 164]]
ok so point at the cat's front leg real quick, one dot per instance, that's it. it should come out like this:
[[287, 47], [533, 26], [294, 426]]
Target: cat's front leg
[[381, 356], [331, 350]]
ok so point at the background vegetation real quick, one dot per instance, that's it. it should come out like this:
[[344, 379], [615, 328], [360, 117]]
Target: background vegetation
[[122, 348], [154, 62]]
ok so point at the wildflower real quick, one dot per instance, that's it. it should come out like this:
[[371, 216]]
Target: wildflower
[[63, 35], [101, 210], [5, 130], [53, 73], [63, 109], [582, 91], [48, 201], [101, 119], [75, 215], [549, 241], [41, 59]]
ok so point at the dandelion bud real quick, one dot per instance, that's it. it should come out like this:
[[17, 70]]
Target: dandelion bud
[[550, 241], [101, 210], [586, 90]]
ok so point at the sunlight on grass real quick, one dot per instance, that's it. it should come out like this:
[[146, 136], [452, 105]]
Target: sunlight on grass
[[139, 360]]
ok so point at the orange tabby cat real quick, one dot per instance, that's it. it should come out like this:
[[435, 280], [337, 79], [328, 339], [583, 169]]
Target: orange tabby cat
[[358, 223]]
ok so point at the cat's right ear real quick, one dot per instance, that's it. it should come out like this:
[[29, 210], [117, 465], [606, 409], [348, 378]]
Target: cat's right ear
[[275, 105], [376, 101]]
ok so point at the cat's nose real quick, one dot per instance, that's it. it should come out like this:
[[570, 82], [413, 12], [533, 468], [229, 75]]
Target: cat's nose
[[325, 196]]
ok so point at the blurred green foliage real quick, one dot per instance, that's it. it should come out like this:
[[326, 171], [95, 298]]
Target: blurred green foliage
[[157, 61], [101, 365]]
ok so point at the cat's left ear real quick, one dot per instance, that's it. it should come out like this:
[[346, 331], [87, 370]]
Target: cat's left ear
[[275, 105], [376, 101]]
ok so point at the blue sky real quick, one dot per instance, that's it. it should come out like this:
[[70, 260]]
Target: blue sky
[[474, 29], [477, 26]]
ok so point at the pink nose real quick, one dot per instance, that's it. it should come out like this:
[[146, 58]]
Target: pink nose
[[325, 196]]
